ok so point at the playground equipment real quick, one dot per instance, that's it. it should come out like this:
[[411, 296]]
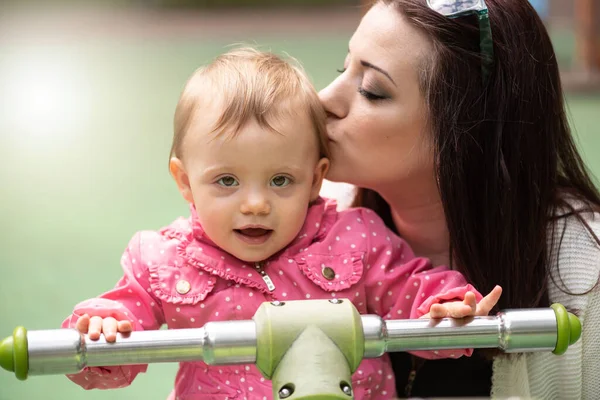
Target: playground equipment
[[283, 338]]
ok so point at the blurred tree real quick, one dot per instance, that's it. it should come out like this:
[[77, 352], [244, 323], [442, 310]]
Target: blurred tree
[[587, 31]]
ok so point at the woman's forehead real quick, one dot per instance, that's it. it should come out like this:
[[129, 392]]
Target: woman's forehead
[[385, 37]]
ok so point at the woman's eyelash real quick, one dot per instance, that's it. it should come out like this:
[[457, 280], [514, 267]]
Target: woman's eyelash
[[370, 96]]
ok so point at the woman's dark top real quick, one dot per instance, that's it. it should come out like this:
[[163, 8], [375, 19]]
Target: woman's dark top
[[462, 377]]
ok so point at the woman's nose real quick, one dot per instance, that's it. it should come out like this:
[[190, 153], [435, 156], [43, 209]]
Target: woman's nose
[[334, 99], [256, 204]]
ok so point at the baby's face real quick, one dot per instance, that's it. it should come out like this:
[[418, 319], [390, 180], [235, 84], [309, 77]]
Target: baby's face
[[252, 191]]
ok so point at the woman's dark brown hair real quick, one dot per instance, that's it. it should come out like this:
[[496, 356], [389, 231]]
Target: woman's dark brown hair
[[505, 156]]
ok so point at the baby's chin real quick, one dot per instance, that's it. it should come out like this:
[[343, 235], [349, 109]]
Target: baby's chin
[[258, 253], [253, 256]]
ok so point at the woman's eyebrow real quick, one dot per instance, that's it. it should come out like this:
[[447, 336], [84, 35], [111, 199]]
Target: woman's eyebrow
[[376, 68], [367, 64]]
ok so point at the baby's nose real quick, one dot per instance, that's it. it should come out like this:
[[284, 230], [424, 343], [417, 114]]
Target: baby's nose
[[256, 204]]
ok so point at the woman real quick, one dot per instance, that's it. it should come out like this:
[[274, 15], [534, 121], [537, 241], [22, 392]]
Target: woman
[[462, 145]]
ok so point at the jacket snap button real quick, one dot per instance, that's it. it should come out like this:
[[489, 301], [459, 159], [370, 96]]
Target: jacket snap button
[[183, 287], [328, 273]]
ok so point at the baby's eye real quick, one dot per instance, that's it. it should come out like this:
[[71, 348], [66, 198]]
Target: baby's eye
[[228, 181], [280, 181]]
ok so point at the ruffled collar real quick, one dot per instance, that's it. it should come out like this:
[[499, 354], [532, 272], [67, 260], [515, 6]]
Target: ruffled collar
[[197, 249]]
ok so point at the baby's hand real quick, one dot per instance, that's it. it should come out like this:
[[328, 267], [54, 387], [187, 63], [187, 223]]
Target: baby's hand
[[94, 326], [466, 308]]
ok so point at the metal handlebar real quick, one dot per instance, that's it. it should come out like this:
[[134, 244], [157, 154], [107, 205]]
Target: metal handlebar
[[277, 327]]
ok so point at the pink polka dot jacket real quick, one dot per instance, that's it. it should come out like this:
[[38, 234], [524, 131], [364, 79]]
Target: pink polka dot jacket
[[179, 277]]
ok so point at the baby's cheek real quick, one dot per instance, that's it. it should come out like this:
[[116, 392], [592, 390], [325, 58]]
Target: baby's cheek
[[216, 223], [292, 217]]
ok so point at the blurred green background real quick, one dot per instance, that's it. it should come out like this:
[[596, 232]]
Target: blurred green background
[[86, 106]]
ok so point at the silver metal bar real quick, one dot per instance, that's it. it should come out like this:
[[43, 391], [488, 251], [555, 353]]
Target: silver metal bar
[[528, 330], [65, 351], [511, 331]]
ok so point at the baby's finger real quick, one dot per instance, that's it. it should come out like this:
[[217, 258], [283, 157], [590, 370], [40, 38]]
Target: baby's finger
[[459, 309], [488, 302], [83, 323], [471, 301], [95, 328], [438, 311], [109, 328], [124, 326]]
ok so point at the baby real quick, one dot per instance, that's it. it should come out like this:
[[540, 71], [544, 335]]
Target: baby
[[249, 155]]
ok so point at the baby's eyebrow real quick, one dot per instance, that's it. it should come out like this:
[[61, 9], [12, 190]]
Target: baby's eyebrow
[[295, 171], [218, 169]]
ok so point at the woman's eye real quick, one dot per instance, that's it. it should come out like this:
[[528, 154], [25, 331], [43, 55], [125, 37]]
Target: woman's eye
[[370, 96], [341, 71], [228, 181], [280, 181]]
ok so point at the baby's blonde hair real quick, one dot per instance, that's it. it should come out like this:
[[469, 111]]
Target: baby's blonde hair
[[249, 85]]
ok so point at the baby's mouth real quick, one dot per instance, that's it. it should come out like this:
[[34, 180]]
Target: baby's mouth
[[254, 232], [254, 235]]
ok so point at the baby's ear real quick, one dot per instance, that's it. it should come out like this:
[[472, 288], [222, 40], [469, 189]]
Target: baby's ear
[[318, 176], [181, 178]]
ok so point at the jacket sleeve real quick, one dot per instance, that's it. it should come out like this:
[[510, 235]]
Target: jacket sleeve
[[402, 286], [131, 299]]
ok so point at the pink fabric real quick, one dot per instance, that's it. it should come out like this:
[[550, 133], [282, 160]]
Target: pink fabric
[[374, 268]]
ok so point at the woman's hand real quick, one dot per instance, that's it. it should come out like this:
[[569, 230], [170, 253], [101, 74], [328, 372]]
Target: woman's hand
[[94, 326], [466, 308]]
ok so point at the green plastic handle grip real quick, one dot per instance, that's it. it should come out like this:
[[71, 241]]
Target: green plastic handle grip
[[568, 329], [14, 356]]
